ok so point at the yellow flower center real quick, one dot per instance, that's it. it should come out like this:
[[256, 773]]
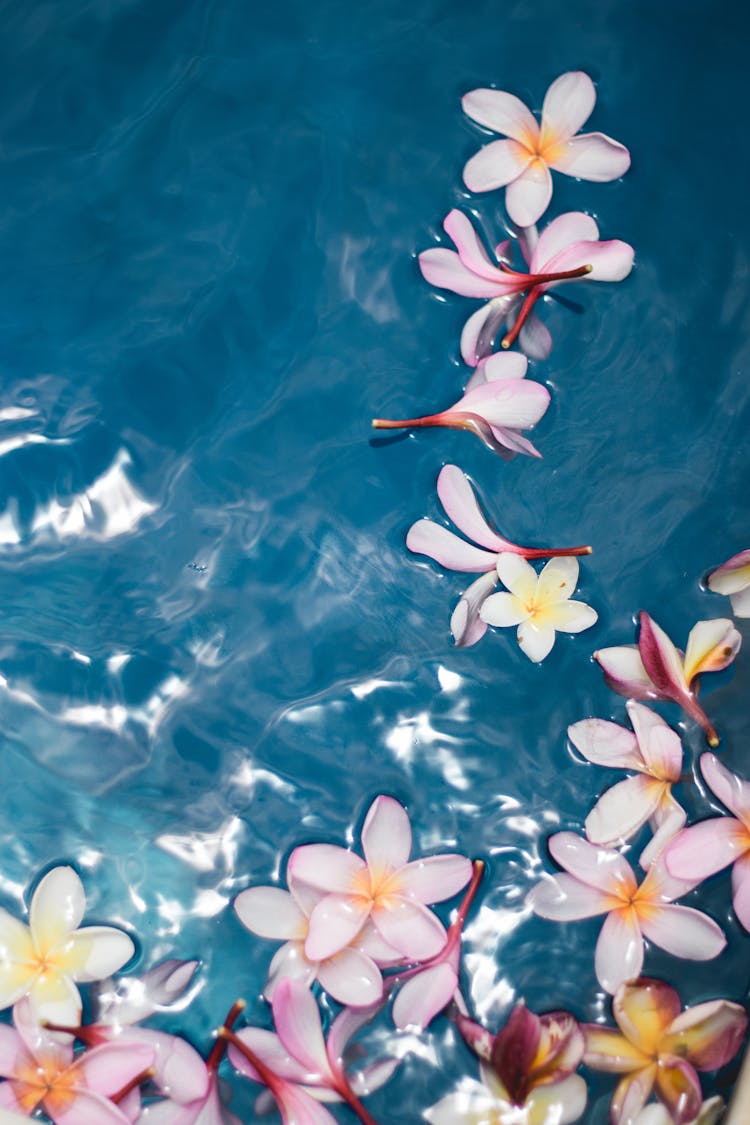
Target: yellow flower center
[[43, 1081]]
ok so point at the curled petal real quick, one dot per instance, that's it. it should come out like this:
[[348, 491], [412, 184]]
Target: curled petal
[[679, 1088], [467, 625], [708, 1035], [592, 156], [705, 848], [514, 1051], [470, 249], [432, 539], [502, 113], [731, 790], [460, 505], [270, 912], [659, 744], [561, 898], [624, 671], [733, 576], [364, 1082], [482, 327], [602, 868], [386, 834], [644, 1011], [561, 1047], [683, 932], [527, 198], [661, 659], [711, 647], [57, 907], [619, 950], [567, 106], [424, 995], [606, 744], [562, 232], [443, 267]]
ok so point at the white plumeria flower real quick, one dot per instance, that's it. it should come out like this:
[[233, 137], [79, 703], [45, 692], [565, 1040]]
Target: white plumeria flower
[[539, 604], [44, 959], [487, 1103]]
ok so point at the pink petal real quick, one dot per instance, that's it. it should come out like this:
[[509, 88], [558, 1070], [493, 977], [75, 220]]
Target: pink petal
[[619, 950], [661, 659], [631, 1094], [351, 978], [57, 908], [562, 232], [88, 1108], [432, 539], [535, 340], [495, 165], [270, 912], [527, 198], [470, 249], [679, 1089], [467, 627], [386, 834], [708, 1035], [668, 819], [659, 744], [606, 744], [514, 442], [105, 1070], [409, 927], [482, 326], [443, 267], [610, 261], [516, 403], [683, 932], [269, 1049], [423, 996], [180, 1072], [503, 365], [290, 961], [732, 576], [435, 879], [325, 866], [460, 505], [297, 1021], [345, 1027], [622, 810], [602, 868], [334, 923], [567, 106], [592, 156], [562, 898], [731, 790], [12, 1051], [741, 890], [502, 113], [705, 848], [624, 672], [297, 1107]]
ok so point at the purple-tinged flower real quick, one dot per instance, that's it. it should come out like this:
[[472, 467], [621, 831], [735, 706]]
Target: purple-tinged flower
[[656, 669], [383, 887], [658, 1047], [426, 537], [496, 407], [523, 162], [705, 848], [654, 750], [733, 578], [568, 249], [168, 985], [601, 881]]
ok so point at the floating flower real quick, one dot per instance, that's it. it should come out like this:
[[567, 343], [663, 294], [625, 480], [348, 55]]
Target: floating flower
[[523, 162], [496, 409], [733, 578], [383, 887], [709, 1114], [659, 1047], [45, 959], [568, 249], [41, 1072], [539, 604], [656, 669], [601, 881], [130, 999], [703, 849], [426, 537], [655, 751]]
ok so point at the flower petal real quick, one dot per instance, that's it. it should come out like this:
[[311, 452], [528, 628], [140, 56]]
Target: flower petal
[[567, 106], [443, 268], [619, 950], [57, 908], [741, 891], [108, 1068], [661, 659], [644, 1011], [470, 249], [370, 1078], [731, 790], [562, 898], [631, 1094], [711, 647], [503, 610], [667, 820], [741, 603], [17, 957], [527, 198], [557, 581], [561, 1102], [352, 978], [705, 848], [609, 261], [409, 927], [683, 932], [624, 672], [535, 340], [503, 365], [570, 617], [535, 641], [470, 1104], [55, 999], [659, 744], [707, 1035], [602, 868], [478, 334], [95, 952], [386, 834], [606, 744], [592, 156], [732, 576], [467, 627], [289, 961], [424, 995], [502, 113], [180, 1072], [324, 866], [297, 1021], [517, 575], [496, 165], [562, 232], [609, 1050], [516, 403], [432, 539], [622, 810], [678, 1087], [270, 912], [460, 505], [334, 923], [435, 879], [87, 1108]]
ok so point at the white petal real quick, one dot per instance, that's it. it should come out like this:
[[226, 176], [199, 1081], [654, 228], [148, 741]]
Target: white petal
[[503, 113], [517, 575], [622, 810], [567, 106], [619, 950], [557, 580], [527, 198], [270, 912], [535, 642], [606, 744], [570, 617], [57, 908], [503, 610]]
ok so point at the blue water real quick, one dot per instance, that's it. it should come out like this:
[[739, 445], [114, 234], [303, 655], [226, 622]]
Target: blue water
[[214, 643]]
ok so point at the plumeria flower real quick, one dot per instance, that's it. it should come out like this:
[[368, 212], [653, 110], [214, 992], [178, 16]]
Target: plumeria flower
[[41, 1072], [539, 604], [656, 669], [733, 578], [659, 1047], [568, 249], [523, 162], [44, 959], [601, 881], [655, 751], [383, 887], [426, 537], [496, 408], [655, 1114], [299, 1066], [708, 847]]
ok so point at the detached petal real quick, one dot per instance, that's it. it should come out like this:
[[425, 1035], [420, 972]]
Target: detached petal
[[270, 912], [705, 848], [386, 834], [606, 744], [57, 908], [661, 659], [467, 626], [683, 932], [567, 106], [708, 1035], [95, 952], [436, 878], [482, 327], [624, 672], [425, 537], [527, 198], [711, 647], [559, 235], [731, 790], [502, 113], [460, 505], [592, 156], [424, 995], [619, 950]]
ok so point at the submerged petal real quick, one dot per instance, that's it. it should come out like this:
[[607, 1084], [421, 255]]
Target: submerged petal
[[592, 156]]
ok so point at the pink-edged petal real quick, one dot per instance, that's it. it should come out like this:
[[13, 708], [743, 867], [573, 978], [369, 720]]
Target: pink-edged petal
[[535, 340], [570, 617], [644, 1011], [495, 165], [536, 642], [602, 868], [352, 978], [409, 927], [624, 672], [516, 403], [290, 962], [9, 1101], [741, 890], [705, 848], [567, 106], [57, 908], [386, 834], [270, 912], [467, 626], [105, 1070], [325, 866], [527, 198], [606, 744], [297, 1021], [711, 647], [561, 898], [470, 1104], [591, 156], [631, 1094], [502, 113], [514, 442], [659, 744], [619, 950], [461, 506], [423, 996], [679, 1088], [731, 790], [88, 1108], [334, 923], [732, 576], [504, 365], [503, 610], [561, 1102], [517, 575], [180, 1072], [268, 1048], [297, 1107], [435, 879], [562, 232], [469, 246], [443, 268], [480, 330], [345, 1027], [609, 1050], [432, 539], [683, 932], [609, 261], [95, 952], [667, 820], [561, 1047], [373, 945], [622, 810], [661, 659], [708, 1035]]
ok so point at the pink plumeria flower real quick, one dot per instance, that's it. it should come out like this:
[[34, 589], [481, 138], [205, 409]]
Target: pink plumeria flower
[[710, 1113], [46, 958], [601, 881], [568, 249], [299, 1066], [351, 975], [383, 887], [497, 407], [655, 751], [708, 847], [539, 604], [659, 1048], [656, 669], [523, 162], [733, 578], [41, 1072], [426, 537]]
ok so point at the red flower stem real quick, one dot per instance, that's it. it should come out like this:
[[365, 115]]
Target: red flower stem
[[695, 711], [553, 552], [85, 1033], [458, 922], [534, 279], [528, 303], [354, 1103], [410, 423], [149, 1072], [226, 1035], [220, 1046]]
